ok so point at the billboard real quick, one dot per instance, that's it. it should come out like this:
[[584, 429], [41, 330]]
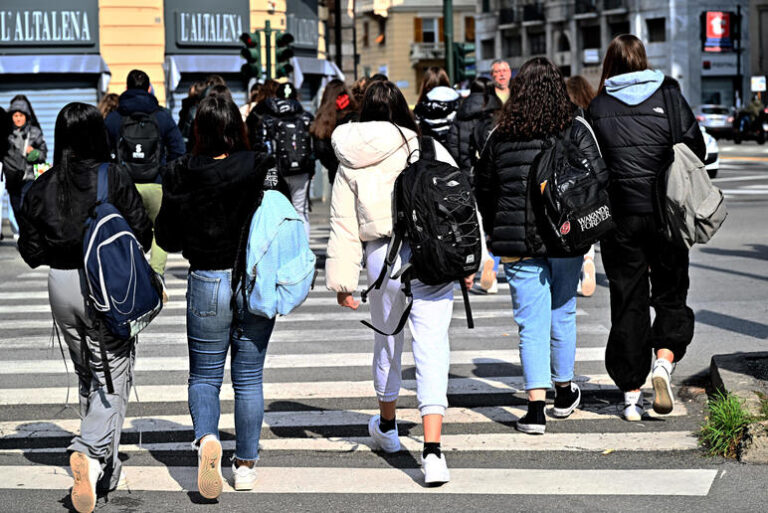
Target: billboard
[[718, 31]]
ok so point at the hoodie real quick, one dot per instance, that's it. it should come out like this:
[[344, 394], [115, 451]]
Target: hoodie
[[636, 87], [465, 139], [371, 156], [18, 165], [436, 113]]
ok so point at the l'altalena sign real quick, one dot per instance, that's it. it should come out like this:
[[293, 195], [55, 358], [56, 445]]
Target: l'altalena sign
[[44, 27]]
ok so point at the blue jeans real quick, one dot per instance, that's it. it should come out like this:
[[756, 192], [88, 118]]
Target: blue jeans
[[544, 305], [212, 328]]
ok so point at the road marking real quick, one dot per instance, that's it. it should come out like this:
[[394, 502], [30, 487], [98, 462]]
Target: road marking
[[740, 178], [344, 480], [744, 192], [52, 428], [305, 390], [474, 442], [746, 159]]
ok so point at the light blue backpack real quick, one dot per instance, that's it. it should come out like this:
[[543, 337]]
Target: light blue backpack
[[280, 267]]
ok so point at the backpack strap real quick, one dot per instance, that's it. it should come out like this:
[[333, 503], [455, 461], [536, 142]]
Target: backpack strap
[[427, 148], [102, 181], [406, 312], [673, 113], [393, 249]]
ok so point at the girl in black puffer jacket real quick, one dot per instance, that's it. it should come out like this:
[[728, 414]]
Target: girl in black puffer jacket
[[437, 105], [632, 124], [543, 287]]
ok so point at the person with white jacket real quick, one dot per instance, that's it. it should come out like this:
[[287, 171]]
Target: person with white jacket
[[371, 154]]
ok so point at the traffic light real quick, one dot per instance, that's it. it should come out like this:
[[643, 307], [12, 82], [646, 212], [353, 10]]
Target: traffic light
[[465, 61], [283, 53], [252, 55]]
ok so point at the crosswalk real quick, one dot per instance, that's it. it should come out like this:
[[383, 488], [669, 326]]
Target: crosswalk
[[319, 397]]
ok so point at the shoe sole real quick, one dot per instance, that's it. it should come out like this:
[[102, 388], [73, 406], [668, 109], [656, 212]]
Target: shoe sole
[[632, 418], [531, 429], [209, 481], [588, 285], [663, 403], [488, 276], [83, 498], [439, 481], [244, 487], [564, 413]]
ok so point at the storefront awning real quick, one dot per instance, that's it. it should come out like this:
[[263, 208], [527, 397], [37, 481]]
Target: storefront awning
[[311, 66], [175, 65], [34, 64]]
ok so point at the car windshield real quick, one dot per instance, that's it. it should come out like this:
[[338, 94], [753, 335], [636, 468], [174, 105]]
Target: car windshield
[[714, 110]]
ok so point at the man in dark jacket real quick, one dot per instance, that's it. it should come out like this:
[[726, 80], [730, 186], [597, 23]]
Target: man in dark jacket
[[476, 110], [134, 102]]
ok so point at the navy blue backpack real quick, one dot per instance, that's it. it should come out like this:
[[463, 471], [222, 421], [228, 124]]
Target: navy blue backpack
[[123, 289]]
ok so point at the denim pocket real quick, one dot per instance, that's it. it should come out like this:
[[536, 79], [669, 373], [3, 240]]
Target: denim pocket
[[203, 295]]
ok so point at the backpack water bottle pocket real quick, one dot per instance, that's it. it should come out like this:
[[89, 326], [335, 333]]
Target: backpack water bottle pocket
[[294, 279]]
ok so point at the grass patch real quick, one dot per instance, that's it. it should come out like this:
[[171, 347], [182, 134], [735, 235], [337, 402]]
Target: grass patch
[[725, 424]]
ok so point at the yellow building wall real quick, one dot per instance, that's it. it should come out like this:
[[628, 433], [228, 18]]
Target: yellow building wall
[[132, 36]]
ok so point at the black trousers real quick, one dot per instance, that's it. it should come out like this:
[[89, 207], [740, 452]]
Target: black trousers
[[644, 270]]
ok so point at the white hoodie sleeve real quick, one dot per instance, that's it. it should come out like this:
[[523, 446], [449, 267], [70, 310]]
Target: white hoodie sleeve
[[345, 250]]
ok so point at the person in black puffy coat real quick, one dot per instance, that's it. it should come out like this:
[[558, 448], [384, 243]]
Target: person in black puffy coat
[[477, 109], [436, 108], [543, 287], [632, 124]]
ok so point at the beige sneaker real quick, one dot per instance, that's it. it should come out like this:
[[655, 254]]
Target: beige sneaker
[[488, 276], [86, 472], [588, 283], [243, 477], [209, 479]]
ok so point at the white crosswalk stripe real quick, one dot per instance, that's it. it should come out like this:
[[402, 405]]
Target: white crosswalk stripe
[[316, 410]]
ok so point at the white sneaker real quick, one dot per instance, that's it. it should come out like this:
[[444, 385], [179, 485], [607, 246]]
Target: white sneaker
[[435, 470], [86, 472], [244, 476], [209, 478], [633, 406], [387, 442], [663, 400]]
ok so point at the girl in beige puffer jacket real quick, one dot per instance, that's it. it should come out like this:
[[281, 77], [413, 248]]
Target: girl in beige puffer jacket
[[371, 154]]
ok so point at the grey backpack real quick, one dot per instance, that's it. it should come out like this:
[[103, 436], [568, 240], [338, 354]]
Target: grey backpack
[[693, 208]]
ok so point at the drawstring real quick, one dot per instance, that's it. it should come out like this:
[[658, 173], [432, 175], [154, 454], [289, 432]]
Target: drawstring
[[55, 333]]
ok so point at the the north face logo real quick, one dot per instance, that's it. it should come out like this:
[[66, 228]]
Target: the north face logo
[[658, 110], [138, 152]]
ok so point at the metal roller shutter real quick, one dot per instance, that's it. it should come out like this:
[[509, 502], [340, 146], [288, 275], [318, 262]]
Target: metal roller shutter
[[47, 102]]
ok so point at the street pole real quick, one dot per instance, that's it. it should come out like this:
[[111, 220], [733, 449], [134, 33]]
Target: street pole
[[739, 87], [354, 37], [268, 46], [337, 31], [448, 38]]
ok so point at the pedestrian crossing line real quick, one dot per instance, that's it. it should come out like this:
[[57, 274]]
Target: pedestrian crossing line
[[485, 442], [293, 361], [52, 428], [306, 391], [344, 480]]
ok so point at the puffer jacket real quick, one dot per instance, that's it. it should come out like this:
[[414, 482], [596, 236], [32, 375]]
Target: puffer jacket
[[502, 189], [48, 237], [436, 114], [632, 126], [18, 166], [371, 156], [462, 140]]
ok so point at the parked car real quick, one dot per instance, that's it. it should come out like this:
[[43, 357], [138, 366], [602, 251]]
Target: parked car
[[717, 119], [712, 159]]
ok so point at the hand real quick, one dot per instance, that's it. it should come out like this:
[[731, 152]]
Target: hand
[[469, 280], [346, 300], [29, 149]]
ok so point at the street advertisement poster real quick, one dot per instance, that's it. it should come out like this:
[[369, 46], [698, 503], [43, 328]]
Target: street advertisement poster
[[758, 84], [718, 32]]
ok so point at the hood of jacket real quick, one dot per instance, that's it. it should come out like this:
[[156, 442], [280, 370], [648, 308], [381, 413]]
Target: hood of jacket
[[360, 145], [20, 106], [440, 103], [280, 107], [192, 173], [636, 87], [472, 107], [136, 100]]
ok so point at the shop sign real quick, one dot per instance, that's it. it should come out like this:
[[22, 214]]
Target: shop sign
[[34, 24], [718, 32], [201, 26], [718, 64], [304, 31]]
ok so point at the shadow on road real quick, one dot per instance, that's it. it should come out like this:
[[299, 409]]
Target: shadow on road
[[731, 323]]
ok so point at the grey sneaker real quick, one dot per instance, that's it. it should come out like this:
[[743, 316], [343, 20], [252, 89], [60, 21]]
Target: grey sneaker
[[663, 400], [387, 442]]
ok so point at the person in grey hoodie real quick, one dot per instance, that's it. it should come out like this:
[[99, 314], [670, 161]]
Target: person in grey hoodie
[[26, 147], [633, 126]]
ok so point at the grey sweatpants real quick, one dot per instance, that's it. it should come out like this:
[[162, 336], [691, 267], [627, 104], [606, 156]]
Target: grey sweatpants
[[299, 187], [101, 413]]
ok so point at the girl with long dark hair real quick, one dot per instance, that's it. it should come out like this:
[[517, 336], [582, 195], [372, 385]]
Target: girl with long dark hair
[[633, 124], [543, 286], [51, 225], [337, 107], [371, 154], [208, 199], [437, 104]]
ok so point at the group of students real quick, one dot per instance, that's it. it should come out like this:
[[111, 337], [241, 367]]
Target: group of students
[[365, 140]]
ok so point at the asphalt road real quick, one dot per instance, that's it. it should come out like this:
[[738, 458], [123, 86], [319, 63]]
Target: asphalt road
[[314, 454]]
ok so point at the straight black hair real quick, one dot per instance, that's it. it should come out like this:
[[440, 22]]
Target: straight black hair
[[219, 127], [383, 101], [137, 79]]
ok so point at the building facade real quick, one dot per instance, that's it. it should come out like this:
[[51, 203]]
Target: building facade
[[576, 33]]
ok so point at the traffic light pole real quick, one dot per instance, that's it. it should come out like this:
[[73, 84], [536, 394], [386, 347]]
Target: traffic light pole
[[268, 46], [448, 39]]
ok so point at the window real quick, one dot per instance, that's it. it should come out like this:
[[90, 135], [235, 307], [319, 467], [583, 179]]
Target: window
[[657, 30], [619, 28], [488, 47], [382, 37], [563, 44], [512, 45], [590, 37], [366, 34], [538, 43], [427, 30], [469, 29]]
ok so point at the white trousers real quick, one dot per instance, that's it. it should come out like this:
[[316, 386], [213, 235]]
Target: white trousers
[[429, 320]]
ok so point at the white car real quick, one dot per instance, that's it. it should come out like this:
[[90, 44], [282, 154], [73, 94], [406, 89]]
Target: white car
[[712, 159]]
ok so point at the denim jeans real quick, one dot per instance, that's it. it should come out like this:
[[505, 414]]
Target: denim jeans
[[212, 329], [544, 305]]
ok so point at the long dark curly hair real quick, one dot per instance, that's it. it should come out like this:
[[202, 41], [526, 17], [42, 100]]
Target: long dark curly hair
[[538, 106]]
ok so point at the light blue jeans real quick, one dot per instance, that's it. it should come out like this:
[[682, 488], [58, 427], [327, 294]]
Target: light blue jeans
[[544, 305], [212, 329]]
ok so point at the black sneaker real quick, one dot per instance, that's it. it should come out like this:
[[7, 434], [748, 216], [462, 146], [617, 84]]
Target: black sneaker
[[534, 422], [567, 399]]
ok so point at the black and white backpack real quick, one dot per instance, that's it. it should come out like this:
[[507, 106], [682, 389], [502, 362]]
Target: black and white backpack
[[433, 209], [139, 146], [292, 143]]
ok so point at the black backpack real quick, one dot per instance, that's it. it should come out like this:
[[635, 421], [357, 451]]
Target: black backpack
[[292, 143], [139, 146], [570, 206], [433, 209]]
